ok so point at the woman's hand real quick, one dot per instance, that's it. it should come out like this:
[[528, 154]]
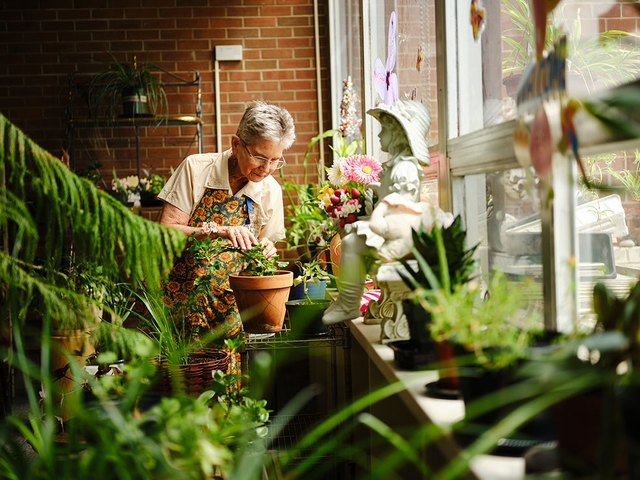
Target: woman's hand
[[269, 248], [241, 237]]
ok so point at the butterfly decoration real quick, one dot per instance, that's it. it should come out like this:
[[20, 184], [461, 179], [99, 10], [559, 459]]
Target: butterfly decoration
[[420, 58], [477, 16], [385, 80]]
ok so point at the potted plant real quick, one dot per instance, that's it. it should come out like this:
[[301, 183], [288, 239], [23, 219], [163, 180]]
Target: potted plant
[[186, 365], [431, 273], [261, 289], [126, 190], [592, 382], [307, 299], [131, 83], [150, 187]]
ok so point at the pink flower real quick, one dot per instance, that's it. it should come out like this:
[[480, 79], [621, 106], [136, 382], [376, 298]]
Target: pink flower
[[361, 168]]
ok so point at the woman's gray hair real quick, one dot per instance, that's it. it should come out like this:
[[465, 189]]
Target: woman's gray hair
[[263, 120]]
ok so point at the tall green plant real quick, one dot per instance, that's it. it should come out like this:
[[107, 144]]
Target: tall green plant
[[444, 261]]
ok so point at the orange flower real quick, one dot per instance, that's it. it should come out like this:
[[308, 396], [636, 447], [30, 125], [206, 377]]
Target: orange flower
[[173, 286]]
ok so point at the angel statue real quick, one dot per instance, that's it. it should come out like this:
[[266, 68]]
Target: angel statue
[[381, 235]]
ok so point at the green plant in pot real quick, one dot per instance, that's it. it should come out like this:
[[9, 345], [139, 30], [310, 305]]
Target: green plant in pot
[[425, 278], [492, 332], [593, 382], [260, 289], [133, 84], [150, 187], [307, 299], [186, 364]]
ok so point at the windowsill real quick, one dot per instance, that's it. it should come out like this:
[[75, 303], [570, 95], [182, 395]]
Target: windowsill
[[427, 410]]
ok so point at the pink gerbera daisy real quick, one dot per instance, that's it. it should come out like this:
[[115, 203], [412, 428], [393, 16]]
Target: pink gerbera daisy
[[361, 168]]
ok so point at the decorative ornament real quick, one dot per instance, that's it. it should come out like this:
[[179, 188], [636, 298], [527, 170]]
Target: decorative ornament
[[420, 58], [350, 121], [384, 80], [477, 16]]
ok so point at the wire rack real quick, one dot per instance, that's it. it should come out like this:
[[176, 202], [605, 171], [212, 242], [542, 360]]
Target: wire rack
[[288, 430], [337, 335]]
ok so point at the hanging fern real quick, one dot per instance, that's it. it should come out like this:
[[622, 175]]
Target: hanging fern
[[48, 213]]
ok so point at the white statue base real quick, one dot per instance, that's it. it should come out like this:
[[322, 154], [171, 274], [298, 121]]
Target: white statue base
[[387, 311]]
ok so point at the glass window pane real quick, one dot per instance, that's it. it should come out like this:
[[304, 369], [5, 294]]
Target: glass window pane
[[603, 49], [508, 229], [609, 224]]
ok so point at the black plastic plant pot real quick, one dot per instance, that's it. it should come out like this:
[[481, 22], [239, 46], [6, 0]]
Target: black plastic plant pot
[[305, 317], [479, 384], [418, 319], [134, 102]]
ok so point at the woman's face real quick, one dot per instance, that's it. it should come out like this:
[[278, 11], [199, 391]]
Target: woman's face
[[252, 158]]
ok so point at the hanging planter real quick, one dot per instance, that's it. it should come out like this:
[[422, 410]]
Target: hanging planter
[[261, 300]]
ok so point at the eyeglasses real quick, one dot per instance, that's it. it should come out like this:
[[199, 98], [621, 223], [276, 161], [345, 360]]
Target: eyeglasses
[[265, 162]]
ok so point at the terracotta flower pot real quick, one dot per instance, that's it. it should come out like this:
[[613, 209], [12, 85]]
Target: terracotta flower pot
[[261, 300]]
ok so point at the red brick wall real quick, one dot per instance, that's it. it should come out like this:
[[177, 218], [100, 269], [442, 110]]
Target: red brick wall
[[40, 47]]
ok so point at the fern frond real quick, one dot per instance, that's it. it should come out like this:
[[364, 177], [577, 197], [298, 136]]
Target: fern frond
[[47, 212]]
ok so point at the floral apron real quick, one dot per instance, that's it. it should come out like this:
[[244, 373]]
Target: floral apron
[[216, 312]]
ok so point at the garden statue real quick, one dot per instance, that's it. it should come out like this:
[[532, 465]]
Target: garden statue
[[405, 127]]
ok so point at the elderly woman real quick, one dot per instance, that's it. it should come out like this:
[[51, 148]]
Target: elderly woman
[[229, 195]]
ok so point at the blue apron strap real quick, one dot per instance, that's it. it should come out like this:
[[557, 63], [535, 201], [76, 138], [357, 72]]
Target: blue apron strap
[[249, 211]]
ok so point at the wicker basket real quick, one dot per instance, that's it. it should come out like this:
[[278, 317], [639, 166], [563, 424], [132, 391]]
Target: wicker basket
[[194, 377]]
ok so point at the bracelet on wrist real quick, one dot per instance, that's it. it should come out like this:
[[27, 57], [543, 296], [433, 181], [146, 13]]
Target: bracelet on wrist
[[209, 227]]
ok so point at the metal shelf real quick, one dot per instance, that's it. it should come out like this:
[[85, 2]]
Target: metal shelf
[[338, 335], [79, 91], [142, 121]]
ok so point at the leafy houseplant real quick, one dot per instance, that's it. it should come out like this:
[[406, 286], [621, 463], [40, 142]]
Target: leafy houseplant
[[446, 268], [307, 299], [134, 83], [491, 334], [314, 275], [308, 226], [261, 289], [596, 379], [186, 366]]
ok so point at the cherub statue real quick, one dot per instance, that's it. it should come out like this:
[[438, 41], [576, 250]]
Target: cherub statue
[[405, 127]]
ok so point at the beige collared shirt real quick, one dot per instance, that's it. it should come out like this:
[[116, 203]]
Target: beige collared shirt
[[198, 172]]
